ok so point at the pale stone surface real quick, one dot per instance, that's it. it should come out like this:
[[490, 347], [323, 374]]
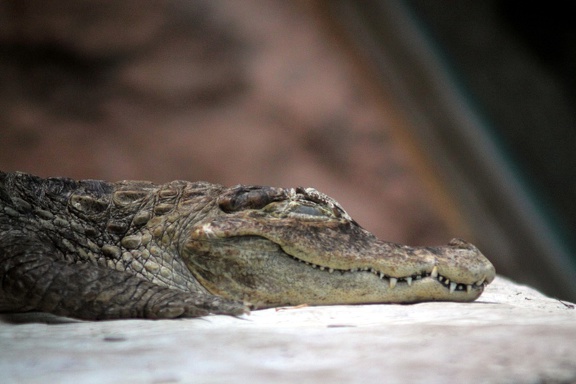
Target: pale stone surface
[[512, 334]]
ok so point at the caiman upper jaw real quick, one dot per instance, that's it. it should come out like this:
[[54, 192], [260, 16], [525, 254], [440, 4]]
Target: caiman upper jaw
[[434, 273]]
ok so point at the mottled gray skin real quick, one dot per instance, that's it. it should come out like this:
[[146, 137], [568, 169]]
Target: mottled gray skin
[[132, 249]]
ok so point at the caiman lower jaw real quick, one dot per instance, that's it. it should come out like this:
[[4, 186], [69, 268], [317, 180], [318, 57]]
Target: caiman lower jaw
[[451, 286]]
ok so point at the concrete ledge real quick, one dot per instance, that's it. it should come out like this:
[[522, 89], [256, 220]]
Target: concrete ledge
[[512, 334]]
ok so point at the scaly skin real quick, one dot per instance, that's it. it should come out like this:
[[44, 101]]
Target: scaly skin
[[96, 250]]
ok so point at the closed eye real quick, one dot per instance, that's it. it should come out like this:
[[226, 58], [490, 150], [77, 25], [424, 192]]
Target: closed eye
[[249, 197], [308, 210]]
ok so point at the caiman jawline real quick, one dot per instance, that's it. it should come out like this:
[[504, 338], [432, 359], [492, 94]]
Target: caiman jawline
[[392, 281], [453, 286]]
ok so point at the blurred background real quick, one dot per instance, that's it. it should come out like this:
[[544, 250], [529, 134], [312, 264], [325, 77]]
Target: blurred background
[[426, 120]]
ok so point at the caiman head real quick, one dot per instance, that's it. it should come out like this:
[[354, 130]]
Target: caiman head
[[272, 246]]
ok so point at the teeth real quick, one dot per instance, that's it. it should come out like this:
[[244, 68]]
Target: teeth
[[393, 281]]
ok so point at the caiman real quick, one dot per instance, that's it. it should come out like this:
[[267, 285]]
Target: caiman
[[96, 250]]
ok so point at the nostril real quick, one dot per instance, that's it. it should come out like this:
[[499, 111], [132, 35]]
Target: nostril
[[456, 242]]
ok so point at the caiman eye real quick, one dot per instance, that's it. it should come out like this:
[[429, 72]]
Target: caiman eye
[[308, 210], [244, 197]]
